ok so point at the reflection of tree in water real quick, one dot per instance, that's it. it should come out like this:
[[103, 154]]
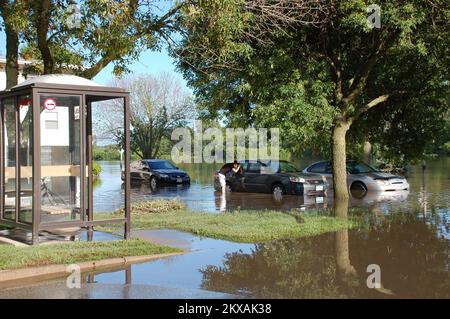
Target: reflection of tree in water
[[414, 260], [288, 268], [413, 263]]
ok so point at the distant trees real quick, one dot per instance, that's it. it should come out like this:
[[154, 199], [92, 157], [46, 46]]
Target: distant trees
[[158, 105]]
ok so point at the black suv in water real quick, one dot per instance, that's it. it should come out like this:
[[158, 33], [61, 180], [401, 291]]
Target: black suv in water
[[276, 177], [158, 172]]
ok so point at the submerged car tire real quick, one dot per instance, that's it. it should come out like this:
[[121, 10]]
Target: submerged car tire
[[358, 190], [153, 183], [278, 191]]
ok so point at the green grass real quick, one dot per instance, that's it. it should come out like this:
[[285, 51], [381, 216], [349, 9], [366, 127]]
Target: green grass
[[12, 257], [239, 226]]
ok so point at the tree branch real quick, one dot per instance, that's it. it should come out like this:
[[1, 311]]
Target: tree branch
[[376, 101], [359, 81], [112, 54]]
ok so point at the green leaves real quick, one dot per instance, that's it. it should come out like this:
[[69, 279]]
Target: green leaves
[[105, 32], [301, 76]]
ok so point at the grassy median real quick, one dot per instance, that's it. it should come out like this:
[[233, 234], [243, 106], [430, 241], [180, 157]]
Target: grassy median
[[12, 257], [238, 226]]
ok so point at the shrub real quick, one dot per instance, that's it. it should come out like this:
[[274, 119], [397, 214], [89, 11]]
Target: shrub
[[96, 169]]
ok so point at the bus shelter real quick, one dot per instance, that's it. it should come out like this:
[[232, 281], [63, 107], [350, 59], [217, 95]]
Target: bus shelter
[[46, 175]]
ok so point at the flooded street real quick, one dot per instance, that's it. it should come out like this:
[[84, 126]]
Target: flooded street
[[429, 192], [406, 235], [414, 263]]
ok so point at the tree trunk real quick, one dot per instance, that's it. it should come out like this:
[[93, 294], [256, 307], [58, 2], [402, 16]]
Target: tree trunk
[[339, 160], [367, 152], [42, 24], [345, 270], [12, 55]]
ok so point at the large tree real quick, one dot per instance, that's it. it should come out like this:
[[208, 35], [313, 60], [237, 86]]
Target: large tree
[[319, 74], [13, 23], [85, 36]]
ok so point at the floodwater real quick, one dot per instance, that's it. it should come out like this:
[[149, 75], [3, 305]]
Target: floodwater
[[402, 249], [428, 191], [413, 263]]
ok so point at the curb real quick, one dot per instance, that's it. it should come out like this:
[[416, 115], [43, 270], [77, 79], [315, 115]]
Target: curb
[[12, 242], [55, 271]]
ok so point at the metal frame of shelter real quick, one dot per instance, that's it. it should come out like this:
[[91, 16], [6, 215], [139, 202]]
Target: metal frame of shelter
[[87, 94]]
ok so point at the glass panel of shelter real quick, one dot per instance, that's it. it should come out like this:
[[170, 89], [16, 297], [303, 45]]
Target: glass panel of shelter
[[25, 139], [9, 158], [17, 132], [60, 153]]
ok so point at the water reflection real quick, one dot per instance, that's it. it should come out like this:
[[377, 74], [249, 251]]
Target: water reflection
[[413, 261], [406, 233], [413, 258]]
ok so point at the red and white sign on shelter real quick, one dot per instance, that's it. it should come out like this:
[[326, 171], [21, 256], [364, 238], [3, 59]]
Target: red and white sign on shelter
[[49, 104]]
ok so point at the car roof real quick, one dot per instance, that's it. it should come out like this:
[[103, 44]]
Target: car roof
[[258, 161], [328, 162], [349, 160]]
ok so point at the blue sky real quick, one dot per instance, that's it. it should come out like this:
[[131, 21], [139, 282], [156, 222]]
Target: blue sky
[[149, 62]]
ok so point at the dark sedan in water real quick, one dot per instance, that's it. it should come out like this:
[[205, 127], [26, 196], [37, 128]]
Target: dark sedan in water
[[276, 177], [158, 172]]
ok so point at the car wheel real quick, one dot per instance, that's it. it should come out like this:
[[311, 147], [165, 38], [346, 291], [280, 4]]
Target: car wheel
[[278, 192], [153, 183], [358, 190]]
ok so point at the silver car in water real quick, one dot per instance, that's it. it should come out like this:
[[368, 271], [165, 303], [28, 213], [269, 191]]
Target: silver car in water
[[361, 177]]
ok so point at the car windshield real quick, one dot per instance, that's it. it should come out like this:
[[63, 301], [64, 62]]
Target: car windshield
[[286, 167], [359, 168], [161, 165]]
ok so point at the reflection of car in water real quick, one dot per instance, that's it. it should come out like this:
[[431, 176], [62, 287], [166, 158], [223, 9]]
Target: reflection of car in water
[[276, 177], [374, 197], [243, 201], [157, 172], [258, 201], [170, 190], [361, 177], [370, 198]]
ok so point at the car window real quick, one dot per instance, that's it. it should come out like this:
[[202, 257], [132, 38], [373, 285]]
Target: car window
[[359, 168], [270, 167], [254, 167], [143, 165], [286, 167], [161, 165], [318, 168]]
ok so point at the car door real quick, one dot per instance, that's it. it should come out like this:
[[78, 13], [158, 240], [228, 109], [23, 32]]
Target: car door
[[254, 180], [328, 173]]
